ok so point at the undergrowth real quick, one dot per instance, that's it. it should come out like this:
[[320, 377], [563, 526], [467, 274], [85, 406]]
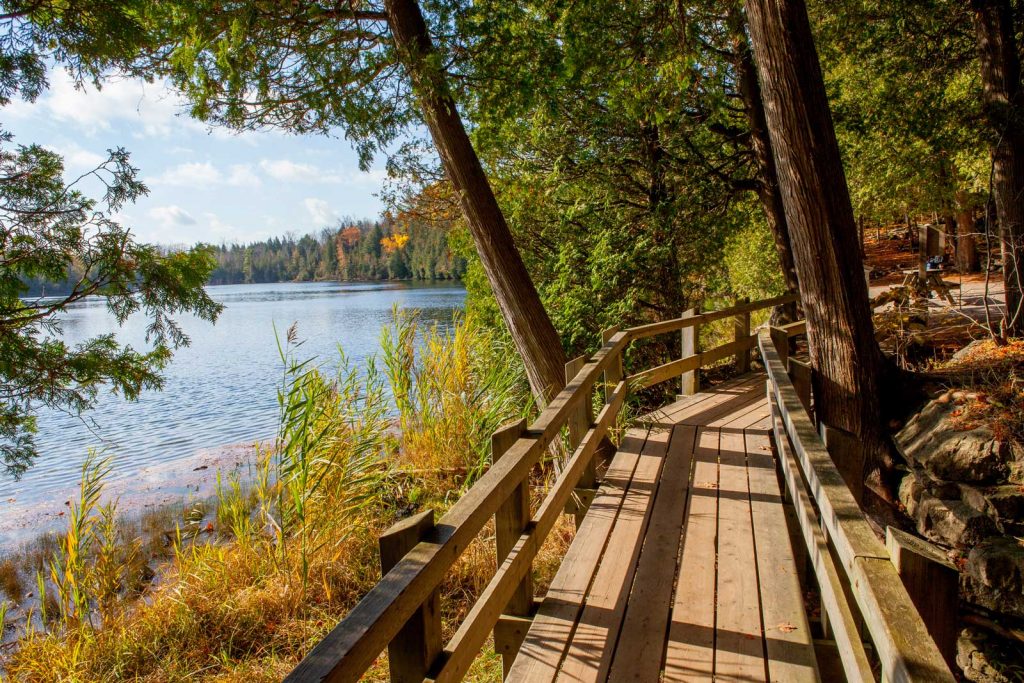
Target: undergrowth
[[988, 383], [242, 597]]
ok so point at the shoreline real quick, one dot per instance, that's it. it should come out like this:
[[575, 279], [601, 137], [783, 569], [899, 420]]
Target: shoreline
[[163, 484]]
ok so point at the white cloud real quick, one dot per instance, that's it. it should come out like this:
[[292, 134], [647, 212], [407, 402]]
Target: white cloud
[[242, 175], [78, 158], [320, 211], [290, 171], [204, 175], [172, 215], [153, 106], [195, 174]]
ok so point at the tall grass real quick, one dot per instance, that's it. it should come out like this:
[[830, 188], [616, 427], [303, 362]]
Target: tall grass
[[288, 553], [453, 394]]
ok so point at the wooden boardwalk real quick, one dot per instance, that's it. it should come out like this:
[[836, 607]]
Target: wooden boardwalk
[[682, 569]]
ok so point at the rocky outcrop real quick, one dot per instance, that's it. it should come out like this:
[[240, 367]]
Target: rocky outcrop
[[947, 452], [961, 493]]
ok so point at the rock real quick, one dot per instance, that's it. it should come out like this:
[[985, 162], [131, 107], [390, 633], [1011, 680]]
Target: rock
[[945, 520], [995, 575], [932, 440], [972, 655]]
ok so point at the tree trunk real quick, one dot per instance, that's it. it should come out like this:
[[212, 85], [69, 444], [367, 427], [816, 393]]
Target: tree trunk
[[966, 249], [1002, 101], [767, 175], [520, 305], [821, 225]]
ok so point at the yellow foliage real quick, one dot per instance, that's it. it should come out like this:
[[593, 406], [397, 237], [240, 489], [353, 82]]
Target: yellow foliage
[[393, 243]]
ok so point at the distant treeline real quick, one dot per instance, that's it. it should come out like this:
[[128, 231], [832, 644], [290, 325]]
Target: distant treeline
[[354, 251], [364, 250]]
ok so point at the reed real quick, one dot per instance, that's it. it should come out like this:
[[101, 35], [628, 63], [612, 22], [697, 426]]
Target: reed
[[290, 552]]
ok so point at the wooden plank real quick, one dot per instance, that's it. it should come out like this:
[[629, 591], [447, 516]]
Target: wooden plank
[[906, 650], [736, 419], [690, 653], [542, 650], [666, 326], [669, 415], [830, 584], [352, 646], [739, 649], [788, 642], [641, 643], [418, 643], [589, 655], [933, 584], [749, 421], [689, 381], [729, 404], [509, 523], [485, 612]]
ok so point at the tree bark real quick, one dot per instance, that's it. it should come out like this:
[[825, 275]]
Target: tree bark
[[520, 305], [767, 175], [966, 249], [1002, 101], [817, 205]]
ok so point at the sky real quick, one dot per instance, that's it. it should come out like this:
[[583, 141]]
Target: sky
[[208, 185]]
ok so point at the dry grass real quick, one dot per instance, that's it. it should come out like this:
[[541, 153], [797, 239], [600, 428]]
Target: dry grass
[[987, 383], [273, 567]]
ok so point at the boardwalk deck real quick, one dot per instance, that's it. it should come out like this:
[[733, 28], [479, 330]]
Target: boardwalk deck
[[682, 569]]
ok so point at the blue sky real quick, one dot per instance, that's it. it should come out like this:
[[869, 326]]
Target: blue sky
[[205, 184]]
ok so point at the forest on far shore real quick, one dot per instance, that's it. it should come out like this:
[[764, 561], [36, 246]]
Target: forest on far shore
[[349, 251], [360, 250]]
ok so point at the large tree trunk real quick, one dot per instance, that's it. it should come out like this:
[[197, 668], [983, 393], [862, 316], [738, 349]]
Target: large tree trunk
[[966, 250], [767, 175], [821, 224], [520, 305], [1000, 75]]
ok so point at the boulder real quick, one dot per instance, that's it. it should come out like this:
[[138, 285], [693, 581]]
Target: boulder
[[949, 521], [932, 440], [974, 656], [995, 575]]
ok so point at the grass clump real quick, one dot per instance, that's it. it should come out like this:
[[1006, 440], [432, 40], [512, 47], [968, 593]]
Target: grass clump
[[250, 584]]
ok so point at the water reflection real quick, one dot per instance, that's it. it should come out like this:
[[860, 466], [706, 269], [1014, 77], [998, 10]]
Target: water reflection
[[221, 389]]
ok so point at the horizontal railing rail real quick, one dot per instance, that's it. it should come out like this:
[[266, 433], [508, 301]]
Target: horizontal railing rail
[[406, 593], [836, 526]]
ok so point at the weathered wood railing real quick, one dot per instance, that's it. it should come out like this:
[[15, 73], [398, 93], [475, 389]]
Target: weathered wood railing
[[862, 583], [401, 612]]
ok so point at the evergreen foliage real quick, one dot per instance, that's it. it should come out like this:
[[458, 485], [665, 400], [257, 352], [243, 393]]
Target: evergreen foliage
[[354, 251]]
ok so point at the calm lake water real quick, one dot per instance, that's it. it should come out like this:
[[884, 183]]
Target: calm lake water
[[221, 389]]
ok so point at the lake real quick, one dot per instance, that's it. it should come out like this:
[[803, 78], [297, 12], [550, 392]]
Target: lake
[[221, 390]]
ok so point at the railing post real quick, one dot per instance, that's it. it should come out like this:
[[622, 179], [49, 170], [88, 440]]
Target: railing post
[[933, 584], [509, 523], [689, 382], [847, 453], [741, 330], [780, 339], [613, 374], [801, 374], [579, 423], [418, 644]]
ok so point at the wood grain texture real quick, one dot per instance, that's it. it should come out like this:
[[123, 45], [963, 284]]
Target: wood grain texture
[[689, 654]]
